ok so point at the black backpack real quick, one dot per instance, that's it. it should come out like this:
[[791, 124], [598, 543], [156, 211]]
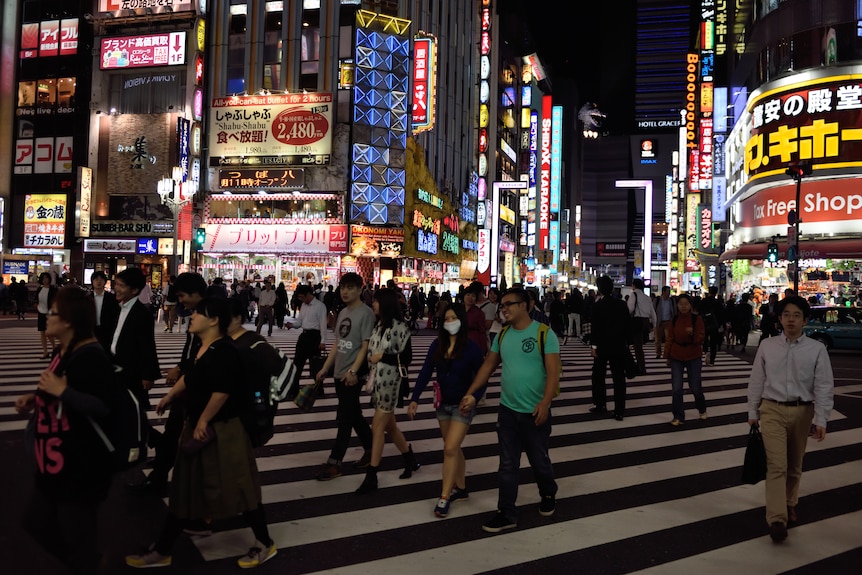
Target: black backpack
[[269, 373]]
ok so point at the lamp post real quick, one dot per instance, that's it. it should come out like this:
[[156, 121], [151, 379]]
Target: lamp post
[[175, 193], [796, 171]]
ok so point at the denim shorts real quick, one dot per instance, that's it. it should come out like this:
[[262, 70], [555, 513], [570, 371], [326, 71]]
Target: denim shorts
[[453, 413]]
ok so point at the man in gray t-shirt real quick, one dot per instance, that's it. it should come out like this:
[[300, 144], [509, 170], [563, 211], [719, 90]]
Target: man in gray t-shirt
[[348, 356], [352, 328]]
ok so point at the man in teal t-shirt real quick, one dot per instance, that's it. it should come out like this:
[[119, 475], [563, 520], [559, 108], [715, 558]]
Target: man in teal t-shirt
[[528, 383]]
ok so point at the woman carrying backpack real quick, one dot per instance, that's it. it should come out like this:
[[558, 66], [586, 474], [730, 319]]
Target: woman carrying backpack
[[74, 473], [389, 355], [683, 350], [455, 359], [215, 474]]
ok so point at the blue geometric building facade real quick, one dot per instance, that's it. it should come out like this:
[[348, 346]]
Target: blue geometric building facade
[[381, 120]]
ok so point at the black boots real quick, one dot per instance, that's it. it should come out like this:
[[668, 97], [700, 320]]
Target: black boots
[[410, 463], [369, 484]]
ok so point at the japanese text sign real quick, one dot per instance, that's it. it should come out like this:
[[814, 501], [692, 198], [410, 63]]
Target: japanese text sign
[[143, 51], [284, 129], [45, 220], [280, 238]]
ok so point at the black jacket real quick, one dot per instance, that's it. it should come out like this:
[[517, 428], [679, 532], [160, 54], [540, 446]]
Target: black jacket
[[136, 349], [107, 321], [610, 316]]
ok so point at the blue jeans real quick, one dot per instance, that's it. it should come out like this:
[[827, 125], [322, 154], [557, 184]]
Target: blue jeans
[[692, 366], [518, 432]]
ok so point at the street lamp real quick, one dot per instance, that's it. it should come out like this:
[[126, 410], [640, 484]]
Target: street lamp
[[175, 193], [796, 171]]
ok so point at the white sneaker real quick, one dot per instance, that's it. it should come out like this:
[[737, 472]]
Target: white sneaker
[[257, 555]]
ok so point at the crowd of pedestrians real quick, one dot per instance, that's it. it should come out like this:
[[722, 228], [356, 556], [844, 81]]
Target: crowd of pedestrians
[[100, 337]]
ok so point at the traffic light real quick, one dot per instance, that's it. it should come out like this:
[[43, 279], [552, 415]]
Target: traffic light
[[200, 237], [772, 253], [800, 170]]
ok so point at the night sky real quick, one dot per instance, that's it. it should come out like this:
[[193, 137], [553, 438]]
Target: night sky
[[591, 45]]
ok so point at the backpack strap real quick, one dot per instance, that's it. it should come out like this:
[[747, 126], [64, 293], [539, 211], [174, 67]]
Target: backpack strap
[[500, 338], [543, 335]]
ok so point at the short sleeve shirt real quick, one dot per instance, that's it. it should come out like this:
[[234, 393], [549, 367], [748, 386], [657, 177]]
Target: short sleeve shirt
[[522, 381], [352, 328]]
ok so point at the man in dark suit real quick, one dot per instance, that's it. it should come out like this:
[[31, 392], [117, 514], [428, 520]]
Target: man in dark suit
[[610, 317], [107, 310], [133, 346], [190, 289], [769, 324]]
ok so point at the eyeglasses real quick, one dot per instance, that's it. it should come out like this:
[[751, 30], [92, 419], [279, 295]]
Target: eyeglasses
[[52, 312], [506, 304]]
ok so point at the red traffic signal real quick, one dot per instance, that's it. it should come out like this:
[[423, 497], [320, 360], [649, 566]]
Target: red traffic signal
[[800, 170]]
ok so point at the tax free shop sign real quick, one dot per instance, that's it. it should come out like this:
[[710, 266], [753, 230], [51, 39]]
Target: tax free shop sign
[[827, 207]]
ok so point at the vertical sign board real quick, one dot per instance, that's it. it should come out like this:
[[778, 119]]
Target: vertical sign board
[[691, 232], [83, 201], [424, 85], [483, 267], [183, 146], [556, 157], [545, 177]]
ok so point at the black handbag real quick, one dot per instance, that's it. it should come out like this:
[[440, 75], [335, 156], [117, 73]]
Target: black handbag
[[754, 466]]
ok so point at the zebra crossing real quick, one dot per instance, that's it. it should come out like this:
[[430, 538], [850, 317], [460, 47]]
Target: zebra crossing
[[634, 496]]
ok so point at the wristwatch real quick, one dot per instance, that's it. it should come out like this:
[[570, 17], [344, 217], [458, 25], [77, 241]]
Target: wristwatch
[[351, 371]]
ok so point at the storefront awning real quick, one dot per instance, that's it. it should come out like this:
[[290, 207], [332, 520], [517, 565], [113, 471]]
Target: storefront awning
[[808, 250]]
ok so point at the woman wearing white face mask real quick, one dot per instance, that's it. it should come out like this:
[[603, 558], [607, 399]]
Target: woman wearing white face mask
[[456, 359]]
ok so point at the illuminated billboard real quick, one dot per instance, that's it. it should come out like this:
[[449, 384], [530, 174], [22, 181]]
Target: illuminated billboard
[[124, 52], [45, 221], [283, 129], [424, 82]]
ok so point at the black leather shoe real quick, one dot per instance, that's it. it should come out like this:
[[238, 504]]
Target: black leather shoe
[[598, 409], [778, 532], [618, 416]]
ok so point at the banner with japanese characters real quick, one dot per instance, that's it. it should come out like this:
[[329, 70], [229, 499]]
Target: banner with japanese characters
[[283, 129], [45, 221], [277, 238]]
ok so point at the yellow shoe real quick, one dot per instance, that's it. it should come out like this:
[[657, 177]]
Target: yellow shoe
[[147, 559], [677, 422], [257, 555]]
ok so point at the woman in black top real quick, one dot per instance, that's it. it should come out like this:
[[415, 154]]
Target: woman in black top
[[72, 465], [280, 308], [215, 474]]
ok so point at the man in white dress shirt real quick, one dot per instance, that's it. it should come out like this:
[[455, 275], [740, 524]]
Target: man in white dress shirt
[[312, 321], [790, 386]]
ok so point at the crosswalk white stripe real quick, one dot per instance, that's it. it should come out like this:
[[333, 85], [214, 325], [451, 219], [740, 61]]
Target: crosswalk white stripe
[[570, 535], [811, 542], [525, 545]]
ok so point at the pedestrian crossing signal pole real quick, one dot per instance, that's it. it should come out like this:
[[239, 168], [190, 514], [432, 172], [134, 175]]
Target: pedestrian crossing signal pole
[[797, 171]]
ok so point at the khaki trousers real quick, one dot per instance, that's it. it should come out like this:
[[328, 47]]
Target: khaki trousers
[[785, 435]]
